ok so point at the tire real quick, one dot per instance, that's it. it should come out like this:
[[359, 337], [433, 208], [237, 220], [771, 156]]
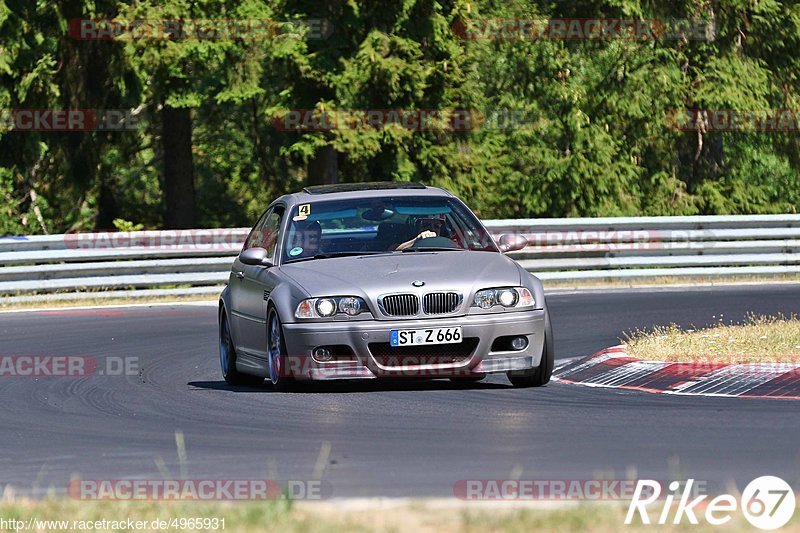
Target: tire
[[227, 357], [276, 354], [539, 376]]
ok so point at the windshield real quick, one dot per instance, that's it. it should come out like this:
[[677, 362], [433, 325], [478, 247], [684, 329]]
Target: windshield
[[379, 225]]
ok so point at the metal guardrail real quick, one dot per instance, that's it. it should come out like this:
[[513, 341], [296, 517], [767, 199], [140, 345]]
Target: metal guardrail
[[198, 261]]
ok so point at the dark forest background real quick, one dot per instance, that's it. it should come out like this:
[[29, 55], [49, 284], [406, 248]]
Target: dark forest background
[[590, 131]]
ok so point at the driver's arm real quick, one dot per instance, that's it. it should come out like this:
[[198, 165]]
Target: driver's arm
[[424, 235]]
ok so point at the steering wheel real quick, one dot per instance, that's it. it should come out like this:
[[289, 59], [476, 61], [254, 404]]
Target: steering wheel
[[434, 242]]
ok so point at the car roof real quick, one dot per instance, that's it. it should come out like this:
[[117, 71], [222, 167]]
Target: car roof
[[368, 186], [374, 189]]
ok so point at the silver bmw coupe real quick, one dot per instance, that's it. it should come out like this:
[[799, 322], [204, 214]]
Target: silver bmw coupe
[[380, 280]]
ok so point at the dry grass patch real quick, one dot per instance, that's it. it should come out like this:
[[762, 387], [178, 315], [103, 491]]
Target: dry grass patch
[[89, 301], [758, 339], [422, 516], [664, 281]]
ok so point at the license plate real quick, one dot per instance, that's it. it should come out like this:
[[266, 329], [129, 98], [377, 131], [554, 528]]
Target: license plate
[[419, 337]]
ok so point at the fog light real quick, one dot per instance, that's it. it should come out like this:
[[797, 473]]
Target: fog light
[[322, 354], [519, 343]]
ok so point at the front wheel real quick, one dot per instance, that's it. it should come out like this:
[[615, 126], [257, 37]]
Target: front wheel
[[276, 353], [227, 356], [536, 377]]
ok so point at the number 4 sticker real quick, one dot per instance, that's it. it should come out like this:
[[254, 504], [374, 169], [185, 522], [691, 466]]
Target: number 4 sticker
[[302, 212]]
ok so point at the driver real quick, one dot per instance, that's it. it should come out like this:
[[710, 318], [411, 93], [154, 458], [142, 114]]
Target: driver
[[428, 228], [305, 239]]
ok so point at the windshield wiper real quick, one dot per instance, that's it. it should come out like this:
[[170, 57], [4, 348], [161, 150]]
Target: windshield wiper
[[328, 255], [431, 249]]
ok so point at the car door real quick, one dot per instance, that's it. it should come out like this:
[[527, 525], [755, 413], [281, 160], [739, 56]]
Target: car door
[[250, 286]]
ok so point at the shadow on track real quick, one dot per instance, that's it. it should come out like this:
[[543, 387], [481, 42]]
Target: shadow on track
[[376, 385]]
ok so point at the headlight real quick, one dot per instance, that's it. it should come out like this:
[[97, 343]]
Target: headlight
[[325, 307], [328, 307], [484, 299], [507, 297], [350, 305]]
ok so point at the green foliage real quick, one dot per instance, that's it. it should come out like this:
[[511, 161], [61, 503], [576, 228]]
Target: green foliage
[[586, 129], [127, 225]]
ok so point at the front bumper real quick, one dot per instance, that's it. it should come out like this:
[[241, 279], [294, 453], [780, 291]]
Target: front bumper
[[302, 338]]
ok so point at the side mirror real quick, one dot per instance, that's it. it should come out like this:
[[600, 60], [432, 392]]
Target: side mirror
[[255, 257], [510, 242]]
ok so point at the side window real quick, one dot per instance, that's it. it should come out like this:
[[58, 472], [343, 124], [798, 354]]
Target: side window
[[271, 230], [265, 233], [255, 237]]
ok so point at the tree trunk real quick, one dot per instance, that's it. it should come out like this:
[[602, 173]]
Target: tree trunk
[[178, 167], [323, 168], [107, 208]]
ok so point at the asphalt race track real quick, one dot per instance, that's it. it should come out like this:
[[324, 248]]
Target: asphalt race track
[[399, 440]]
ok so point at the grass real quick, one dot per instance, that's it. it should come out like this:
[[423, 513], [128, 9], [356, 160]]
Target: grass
[[418, 516], [670, 280], [758, 339], [89, 301]]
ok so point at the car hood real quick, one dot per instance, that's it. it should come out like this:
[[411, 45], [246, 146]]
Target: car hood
[[372, 275]]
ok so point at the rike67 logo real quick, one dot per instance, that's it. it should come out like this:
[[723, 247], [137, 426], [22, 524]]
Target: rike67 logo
[[767, 502]]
